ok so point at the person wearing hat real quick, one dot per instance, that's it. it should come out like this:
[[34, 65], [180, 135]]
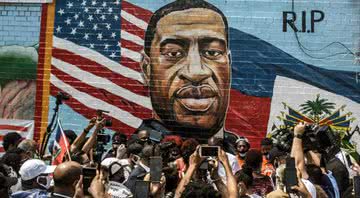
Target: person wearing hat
[[117, 140], [242, 147], [35, 179], [117, 175]]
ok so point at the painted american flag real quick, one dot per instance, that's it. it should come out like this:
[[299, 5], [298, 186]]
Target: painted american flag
[[95, 59]]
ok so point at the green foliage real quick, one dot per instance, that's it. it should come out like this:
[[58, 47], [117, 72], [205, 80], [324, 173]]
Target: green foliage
[[17, 63], [317, 107]]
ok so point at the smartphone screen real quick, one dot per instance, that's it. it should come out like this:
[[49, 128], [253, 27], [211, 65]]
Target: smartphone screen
[[155, 169], [88, 176], [357, 186], [209, 151], [141, 189], [290, 174]]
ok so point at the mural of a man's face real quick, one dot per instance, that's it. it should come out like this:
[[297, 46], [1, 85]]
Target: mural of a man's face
[[188, 70]]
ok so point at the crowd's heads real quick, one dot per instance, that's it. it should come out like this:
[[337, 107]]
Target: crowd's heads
[[5, 181], [143, 137], [188, 148], [29, 147], [11, 140], [266, 145], [35, 174], [115, 169], [119, 138], [13, 158], [242, 146], [66, 176], [70, 135], [277, 156], [253, 159], [200, 189], [216, 141], [244, 179], [81, 158]]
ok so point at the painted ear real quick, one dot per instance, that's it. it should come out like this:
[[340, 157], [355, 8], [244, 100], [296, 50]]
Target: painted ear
[[146, 69]]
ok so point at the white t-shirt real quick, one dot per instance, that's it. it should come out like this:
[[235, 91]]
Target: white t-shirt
[[310, 187]]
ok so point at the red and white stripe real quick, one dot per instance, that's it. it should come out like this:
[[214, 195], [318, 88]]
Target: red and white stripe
[[24, 127], [96, 82]]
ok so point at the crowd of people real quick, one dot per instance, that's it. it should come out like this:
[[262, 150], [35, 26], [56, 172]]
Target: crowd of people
[[236, 171]]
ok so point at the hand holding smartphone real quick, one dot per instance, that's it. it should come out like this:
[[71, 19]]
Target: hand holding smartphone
[[155, 169], [290, 174], [209, 151], [88, 176]]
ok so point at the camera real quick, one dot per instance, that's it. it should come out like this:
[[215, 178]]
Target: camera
[[316, 137], [60, 97], [103, 138], [321, 139]]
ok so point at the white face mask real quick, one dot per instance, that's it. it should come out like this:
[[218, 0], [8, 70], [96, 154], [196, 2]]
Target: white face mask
[[242, 154], [48, 181]]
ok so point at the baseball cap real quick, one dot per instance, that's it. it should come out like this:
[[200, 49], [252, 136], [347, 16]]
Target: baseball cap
[[33, 168], [108, 162]]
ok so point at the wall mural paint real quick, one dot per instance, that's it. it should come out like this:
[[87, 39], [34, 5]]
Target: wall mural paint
[[18, 82], [196, 76]]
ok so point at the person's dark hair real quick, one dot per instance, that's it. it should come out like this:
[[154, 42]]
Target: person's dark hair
[[244, 175], [119, 138], [77, 157], [178, 5], [253, 159], [314, 172], [216, 141], [12, 158], [187, 148], [71, 135], [200, 189], [11, 138], [134, 148], [266, 142]]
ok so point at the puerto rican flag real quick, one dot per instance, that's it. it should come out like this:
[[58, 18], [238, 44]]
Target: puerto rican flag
[[96, 54], [61, 144]]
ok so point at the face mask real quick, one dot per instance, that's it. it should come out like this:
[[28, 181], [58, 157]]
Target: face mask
[[242, 155], [47, 179], [267, 156]]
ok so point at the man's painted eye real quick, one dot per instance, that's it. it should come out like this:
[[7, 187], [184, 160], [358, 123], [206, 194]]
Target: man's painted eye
[[211, 54], [175, 54]]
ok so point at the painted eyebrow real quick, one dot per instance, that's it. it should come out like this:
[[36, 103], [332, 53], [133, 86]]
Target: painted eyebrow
[[208, 40], [177, 41]]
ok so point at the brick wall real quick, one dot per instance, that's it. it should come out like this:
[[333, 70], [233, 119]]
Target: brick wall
[[19, 24], [271, 55]]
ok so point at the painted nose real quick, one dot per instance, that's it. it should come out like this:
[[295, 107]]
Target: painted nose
[[194, 70]]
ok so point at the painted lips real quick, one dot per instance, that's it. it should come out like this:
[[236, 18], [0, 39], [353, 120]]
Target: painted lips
[[196, 98]]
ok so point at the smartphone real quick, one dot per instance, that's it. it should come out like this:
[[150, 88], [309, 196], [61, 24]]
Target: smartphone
[[155, 168], [88, 176], [290, 174], [209, 151], [357, 186], [142, 189]]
